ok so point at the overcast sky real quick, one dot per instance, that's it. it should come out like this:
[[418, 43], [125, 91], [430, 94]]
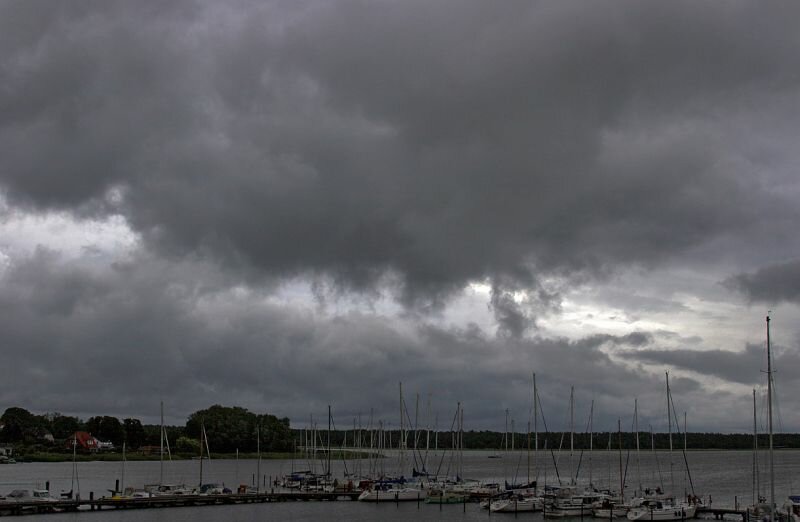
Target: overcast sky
[[285, 205]]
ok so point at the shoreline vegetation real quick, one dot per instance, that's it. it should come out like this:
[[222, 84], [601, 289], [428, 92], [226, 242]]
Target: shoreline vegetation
[[115, 456], [336, 454], [49, 437]]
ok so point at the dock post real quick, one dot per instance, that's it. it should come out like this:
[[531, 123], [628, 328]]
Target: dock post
[[91, 500], [116, 486], [47, 486]]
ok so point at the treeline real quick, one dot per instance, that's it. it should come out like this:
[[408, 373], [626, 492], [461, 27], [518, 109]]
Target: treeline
[[492, 440], [228, 429]]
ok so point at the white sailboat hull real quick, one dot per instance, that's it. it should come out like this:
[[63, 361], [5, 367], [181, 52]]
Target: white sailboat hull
[[516, 505], [679, 512], [393, 495]]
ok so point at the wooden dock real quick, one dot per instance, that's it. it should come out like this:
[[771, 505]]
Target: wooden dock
[[719, 513], [91, 504]]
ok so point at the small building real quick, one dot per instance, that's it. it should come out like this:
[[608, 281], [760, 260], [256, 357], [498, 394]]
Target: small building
[[105, 446], [82, 441]]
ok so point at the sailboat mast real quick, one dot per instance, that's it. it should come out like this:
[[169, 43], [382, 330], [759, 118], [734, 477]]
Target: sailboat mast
[[505, 434], [591, 441], [258, 463], [638, 457], [571, 431], [402, 430], [669, 423], [122, 487], [535, 426], [621, 474], [161, 473], [769, 410], [328, 472], [686, 477], [461, 443], [755, 452], [202, 432]]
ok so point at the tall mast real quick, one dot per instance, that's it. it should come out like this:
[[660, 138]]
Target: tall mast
[[258, 450], [571, 431], [535, 426], [161, 474], [461, 443], [427, 434], [505, 435], [591, 441], [686, 470], [669, 423], [416, 430], [402, 429], [528, 454], [328, 472], [122, 487], [202, 433], [755, 452], [621, 475], [638, 457], [769, 410]]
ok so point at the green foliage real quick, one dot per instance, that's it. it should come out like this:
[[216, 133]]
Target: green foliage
[[18, 425], [134, 433], [187, 446], [232, 428], [63, 426], [106, 428]]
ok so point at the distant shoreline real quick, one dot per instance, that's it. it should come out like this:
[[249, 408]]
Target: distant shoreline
[[335, 454], [138, 457]]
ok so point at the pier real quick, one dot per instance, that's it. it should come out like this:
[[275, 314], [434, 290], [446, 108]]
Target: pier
[[91, 504], [719, 513]]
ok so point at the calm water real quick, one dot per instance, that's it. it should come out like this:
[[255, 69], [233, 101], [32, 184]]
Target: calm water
[[721, 474]]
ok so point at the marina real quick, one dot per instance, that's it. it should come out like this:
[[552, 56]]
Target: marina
[[724, 477]]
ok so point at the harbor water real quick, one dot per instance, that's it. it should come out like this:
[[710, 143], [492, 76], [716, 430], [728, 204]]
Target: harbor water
[[721, 477]]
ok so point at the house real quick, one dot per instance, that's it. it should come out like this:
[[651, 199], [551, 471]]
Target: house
[[7, 455], [82, 441]]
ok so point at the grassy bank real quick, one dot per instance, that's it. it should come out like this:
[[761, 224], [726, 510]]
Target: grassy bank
[[113, 456]]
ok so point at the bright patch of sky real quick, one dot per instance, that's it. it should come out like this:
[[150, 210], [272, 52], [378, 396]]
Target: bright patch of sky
[[22, 233]]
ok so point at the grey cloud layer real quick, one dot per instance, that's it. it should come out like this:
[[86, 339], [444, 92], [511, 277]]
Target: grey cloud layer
[[770, 284], [415, 146], [118, 341], [434, 143]]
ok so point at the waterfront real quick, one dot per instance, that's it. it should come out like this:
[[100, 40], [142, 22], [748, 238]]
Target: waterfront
[[724, 475]]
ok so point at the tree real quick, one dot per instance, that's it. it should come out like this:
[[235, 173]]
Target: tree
[[187, 445], [232, 428], [18, 424], [134, 433], [63, 426], [106, 428]]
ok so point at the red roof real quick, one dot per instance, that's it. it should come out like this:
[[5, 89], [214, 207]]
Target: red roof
[[84, 440]]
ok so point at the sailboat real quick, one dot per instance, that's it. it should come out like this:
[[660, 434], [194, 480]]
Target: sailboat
[[402, 489], [664, 508], [523, 499], [570, 500], [162, 489], [791, 508]]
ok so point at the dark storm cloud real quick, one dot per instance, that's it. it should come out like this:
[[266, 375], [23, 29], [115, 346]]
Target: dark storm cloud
[[119, 340], [745, 367], [416, 144], [771, 284]]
